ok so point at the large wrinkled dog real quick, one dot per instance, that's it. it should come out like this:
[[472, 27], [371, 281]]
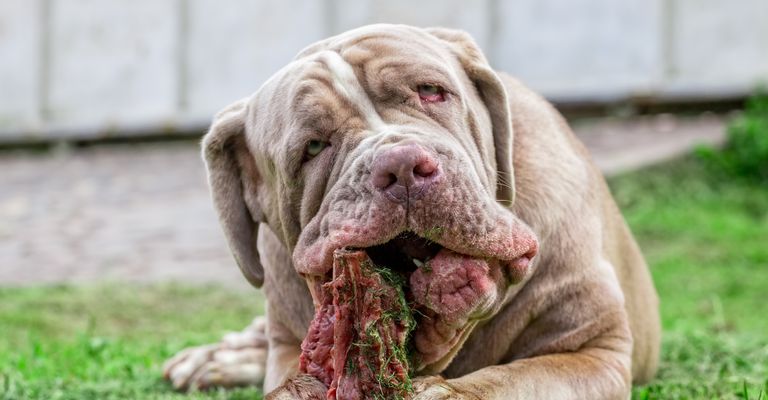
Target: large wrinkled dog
[[385, 135]]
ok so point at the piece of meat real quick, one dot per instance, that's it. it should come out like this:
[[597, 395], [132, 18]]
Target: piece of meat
[[357, 342]]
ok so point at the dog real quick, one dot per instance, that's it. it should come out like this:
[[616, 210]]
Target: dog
[[405, 139]]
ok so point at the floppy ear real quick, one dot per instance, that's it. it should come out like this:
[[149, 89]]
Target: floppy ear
[[232, 176], [493, 94]]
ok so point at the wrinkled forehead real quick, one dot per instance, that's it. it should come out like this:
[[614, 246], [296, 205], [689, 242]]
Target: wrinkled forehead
[[381, 40], [333, 79]]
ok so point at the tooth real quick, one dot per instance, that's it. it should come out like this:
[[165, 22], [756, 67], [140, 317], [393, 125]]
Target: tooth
[[418, 262], [314, 284]]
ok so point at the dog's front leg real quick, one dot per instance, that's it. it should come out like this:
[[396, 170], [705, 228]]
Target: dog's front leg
[[283, 356], [283, 380], [598, 370]]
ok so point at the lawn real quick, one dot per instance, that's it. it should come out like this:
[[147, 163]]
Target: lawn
[[705, 238]]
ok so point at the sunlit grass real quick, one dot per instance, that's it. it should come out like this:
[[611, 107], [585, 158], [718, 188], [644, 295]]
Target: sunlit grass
[[109, 341], [706, 240]]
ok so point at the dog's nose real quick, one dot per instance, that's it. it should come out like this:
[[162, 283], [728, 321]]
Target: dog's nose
[[404, 171]]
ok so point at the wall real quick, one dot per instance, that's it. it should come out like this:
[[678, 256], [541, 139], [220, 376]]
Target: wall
[[95, 68]]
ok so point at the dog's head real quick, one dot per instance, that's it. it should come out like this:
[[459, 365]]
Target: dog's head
[[388, 138]]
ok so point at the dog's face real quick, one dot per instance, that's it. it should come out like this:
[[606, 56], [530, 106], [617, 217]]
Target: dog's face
[[391, 139]]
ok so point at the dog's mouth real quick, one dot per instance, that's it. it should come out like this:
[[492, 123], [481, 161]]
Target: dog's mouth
[[448, 292], [407, 252], [404, 254]]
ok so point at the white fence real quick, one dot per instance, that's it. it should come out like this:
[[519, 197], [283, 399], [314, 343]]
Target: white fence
[[94, 68]]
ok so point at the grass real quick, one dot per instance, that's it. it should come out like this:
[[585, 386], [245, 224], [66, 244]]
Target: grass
[[109, 342], [706, 239]]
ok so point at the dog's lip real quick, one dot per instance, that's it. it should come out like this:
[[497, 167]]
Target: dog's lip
[[516, 265], [513, 270], [437, 366]]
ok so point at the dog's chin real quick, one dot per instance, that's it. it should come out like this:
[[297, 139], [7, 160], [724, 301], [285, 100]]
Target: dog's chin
[[449, 292]]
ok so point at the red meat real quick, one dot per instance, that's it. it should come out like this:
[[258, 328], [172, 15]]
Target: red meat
[[356, 343]]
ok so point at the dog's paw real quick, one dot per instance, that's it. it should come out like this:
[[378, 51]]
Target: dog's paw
[[438, 388], [300, 387], [238, 360]]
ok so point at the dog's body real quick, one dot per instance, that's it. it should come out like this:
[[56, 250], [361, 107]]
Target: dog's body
[[579, 321]]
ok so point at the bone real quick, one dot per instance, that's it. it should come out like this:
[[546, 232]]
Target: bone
[[351, 311]]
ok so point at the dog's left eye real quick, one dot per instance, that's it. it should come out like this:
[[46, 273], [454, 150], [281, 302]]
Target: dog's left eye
[[430, 93], [314, 147]]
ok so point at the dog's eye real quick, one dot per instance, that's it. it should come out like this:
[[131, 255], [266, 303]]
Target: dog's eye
[[314, 147], [430, 93]]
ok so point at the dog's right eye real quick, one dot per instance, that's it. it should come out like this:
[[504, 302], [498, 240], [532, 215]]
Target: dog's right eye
[[429, 93], [314, 147]]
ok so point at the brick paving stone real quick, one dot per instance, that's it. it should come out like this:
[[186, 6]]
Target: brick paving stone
[[115, 213]]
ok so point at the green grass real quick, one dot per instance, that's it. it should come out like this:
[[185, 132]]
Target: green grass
[[705, 238], [109, 342]]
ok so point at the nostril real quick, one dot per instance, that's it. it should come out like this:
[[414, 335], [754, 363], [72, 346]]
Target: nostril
[[425, 169], [391, 180], [384, 179]]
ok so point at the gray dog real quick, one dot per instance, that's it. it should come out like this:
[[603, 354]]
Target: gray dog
[[386, 135]]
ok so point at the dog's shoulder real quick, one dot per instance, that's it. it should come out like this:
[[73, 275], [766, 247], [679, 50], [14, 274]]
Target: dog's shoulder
[[552, 167]]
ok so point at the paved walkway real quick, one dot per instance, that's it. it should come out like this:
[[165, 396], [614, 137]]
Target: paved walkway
[[142, 212]]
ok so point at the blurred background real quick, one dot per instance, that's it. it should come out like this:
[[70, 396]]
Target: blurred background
[[107, 234], [93, 68]]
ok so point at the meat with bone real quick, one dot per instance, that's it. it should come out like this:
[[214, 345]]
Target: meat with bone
[[357, 342]]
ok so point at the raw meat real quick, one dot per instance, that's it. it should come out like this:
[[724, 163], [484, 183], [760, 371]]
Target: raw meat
[[357, 342]]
